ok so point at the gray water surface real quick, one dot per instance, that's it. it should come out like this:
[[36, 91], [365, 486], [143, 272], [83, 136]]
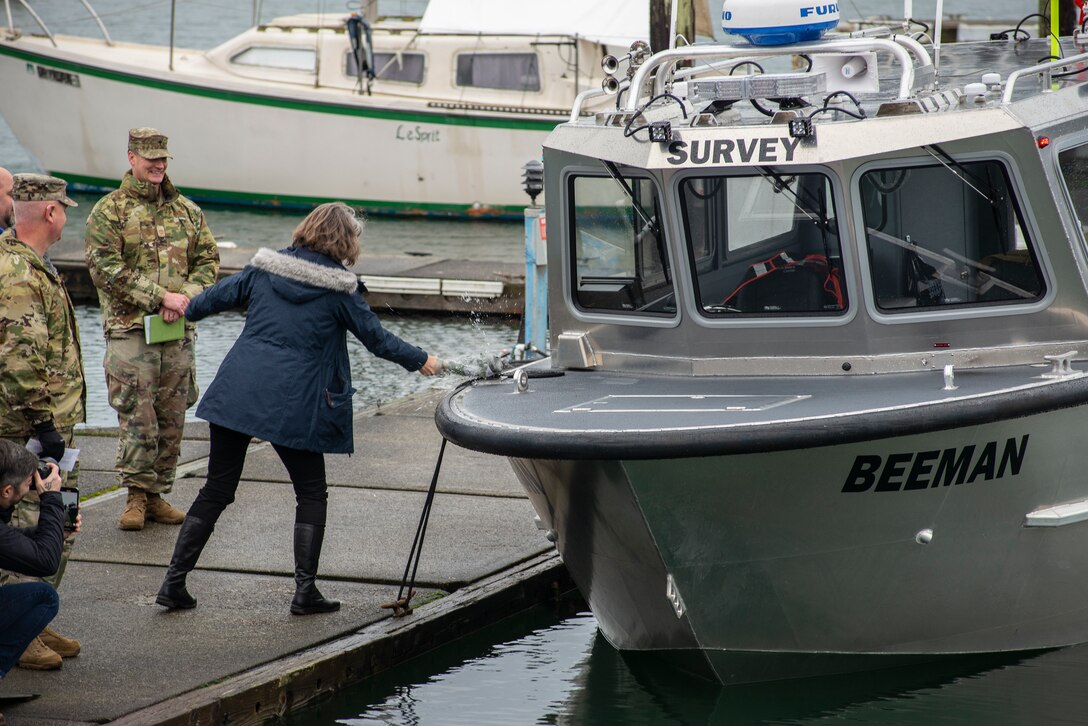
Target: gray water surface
[[377, 380], [543, 667]]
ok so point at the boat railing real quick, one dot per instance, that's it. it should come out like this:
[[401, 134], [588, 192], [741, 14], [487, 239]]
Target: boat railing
[[914, 61], [679, 74], [1043, 69], [581, 98], [45, 28], [924, 69]]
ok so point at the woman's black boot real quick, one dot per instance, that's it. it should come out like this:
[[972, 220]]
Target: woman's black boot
[[308, 599], [193, 536]]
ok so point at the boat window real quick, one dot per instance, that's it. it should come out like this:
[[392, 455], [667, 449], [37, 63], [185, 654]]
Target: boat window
[[1074, 166], [765, 243], [504, 71], [289, 59], [400, 67], [620, 262], [946, 234]]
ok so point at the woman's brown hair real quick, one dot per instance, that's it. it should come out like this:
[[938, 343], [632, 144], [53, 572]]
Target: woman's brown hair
[[332, 229]]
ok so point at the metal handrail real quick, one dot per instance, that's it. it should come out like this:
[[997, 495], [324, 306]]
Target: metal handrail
[[101, 26], [45, 29], [38, 20], [919, 50], [576, 109], [666, 60], [1010, 83], [910, 44]]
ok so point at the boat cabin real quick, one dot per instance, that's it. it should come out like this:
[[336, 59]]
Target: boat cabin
[[814, 312], [453, 70], [704, 230]]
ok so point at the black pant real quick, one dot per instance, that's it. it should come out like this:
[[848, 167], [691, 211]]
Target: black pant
[[225, 463]]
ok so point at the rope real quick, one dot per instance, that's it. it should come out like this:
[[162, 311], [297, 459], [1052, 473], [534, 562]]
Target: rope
[[402, 605]]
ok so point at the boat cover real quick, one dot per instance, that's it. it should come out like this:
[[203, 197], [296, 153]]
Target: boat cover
[[611, 22]]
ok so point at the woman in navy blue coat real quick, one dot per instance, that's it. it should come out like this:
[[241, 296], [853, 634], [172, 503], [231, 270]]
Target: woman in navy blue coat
[[287, 381]]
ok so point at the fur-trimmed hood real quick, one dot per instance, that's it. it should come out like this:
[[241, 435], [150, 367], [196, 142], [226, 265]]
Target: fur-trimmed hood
[[301, 274]]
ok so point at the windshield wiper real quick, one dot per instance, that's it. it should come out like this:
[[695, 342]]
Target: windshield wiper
[[960, 171], [650, 223], [615, 174], [781, 184]]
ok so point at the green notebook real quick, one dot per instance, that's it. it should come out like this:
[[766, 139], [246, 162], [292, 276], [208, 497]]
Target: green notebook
[[157, 330]]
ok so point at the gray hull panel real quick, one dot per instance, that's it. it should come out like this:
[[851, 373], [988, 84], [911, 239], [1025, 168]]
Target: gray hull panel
[[802, 563], [607, 548]]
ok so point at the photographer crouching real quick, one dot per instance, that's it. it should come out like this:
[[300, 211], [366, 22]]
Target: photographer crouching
[[28, 607]]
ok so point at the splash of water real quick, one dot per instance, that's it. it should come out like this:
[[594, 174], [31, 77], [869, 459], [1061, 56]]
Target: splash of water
[[476, 365]]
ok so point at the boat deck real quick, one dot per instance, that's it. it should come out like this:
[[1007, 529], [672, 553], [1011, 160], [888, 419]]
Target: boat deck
[[596, 415]]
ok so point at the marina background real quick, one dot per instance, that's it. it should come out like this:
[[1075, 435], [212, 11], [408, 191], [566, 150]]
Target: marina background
[[562, 671], [201, 25]]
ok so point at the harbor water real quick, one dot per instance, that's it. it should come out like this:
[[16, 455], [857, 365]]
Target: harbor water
[[546, 666], [378, 381]]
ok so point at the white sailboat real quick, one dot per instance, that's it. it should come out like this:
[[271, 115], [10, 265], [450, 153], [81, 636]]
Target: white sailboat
[[434, 115]]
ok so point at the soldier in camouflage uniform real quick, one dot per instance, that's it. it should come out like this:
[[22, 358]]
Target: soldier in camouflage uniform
[[42, 390], [149, 250], [7, 204]]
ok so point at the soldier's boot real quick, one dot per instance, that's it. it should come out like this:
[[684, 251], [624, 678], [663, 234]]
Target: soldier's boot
[[193, 536], [64, 647], [135, 509], [38, 657], [160, 510], [308, 599]]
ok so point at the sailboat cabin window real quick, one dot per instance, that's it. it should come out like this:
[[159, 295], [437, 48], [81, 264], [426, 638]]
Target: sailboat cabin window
[[764, 244], [286, 59], [950, 233], [1074, 167], [620, 263], [399, 67], [502, 71]]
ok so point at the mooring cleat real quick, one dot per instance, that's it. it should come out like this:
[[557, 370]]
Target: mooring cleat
[[400, 607]]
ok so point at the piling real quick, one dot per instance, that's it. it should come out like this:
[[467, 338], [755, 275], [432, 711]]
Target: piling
[[535, 315]]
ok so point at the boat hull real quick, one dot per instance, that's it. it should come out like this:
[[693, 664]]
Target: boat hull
[[235, 144], [784, 564]]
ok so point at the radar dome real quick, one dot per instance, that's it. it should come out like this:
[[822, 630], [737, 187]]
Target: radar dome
[[779, 22]]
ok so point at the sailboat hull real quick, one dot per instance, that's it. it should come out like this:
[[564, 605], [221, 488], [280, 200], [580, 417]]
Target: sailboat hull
[[239, 143]]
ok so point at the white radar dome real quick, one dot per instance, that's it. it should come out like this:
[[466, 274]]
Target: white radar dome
[[779, 22]]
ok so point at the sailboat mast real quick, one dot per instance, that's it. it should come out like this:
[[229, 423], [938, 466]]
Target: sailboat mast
[[662, 27]]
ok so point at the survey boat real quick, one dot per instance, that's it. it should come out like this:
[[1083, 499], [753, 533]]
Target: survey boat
[[818, 322], [417, 116]]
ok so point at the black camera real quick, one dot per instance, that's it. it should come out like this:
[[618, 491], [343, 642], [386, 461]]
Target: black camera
[[43, 468], [69, 498]]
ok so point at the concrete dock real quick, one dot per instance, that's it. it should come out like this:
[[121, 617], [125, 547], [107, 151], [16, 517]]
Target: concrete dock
[[240, 657]]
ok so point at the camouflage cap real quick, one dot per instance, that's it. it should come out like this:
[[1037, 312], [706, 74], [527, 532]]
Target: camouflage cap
[[148, 143], [41, 188]]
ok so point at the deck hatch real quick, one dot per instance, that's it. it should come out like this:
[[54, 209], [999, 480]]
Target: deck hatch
[[673, 403]]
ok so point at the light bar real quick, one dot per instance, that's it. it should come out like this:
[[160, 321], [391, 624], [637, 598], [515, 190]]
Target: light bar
[[768, 85]]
